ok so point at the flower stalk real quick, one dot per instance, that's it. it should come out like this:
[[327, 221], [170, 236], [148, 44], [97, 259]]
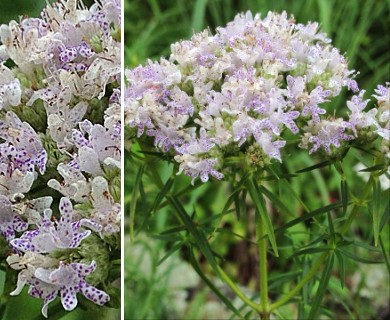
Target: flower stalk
[[238, 292], [263, 270]]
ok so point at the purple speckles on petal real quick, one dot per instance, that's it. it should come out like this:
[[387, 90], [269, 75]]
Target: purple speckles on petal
[[68, 55], [85, 51], [68, 298], [66, 211], [10, 222], [50, 236], [97, 296]]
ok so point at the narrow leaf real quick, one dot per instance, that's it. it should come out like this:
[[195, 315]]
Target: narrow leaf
[[234, 234], [310, 251], [133, 202], [377, 167], [237, 205], [176, 247], [364, 245], [359, 259], [385, 216], [232, 198], [174, 230], [259, 202], [198, 235], [276, 280], [316, 166], [340, 261], [157, 202], [219, 294], [317, 240], [215, 217], [249, 315], [169, 238], [242, 200], [326, 274], [275, 200], [161, 195], [309, 215], [384, 253]]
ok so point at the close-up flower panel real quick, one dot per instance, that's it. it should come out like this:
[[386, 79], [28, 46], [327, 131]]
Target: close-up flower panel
[[60, 136]]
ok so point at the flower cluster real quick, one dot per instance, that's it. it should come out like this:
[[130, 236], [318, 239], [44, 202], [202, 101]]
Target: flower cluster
[[60, 133], [239, 91]]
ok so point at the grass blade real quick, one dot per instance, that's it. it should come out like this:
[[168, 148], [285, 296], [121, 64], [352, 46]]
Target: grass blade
[[198, 16]]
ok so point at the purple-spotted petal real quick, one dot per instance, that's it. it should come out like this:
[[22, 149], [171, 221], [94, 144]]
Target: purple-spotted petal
[[83, 269], [95, 295], [68, 298], [49, 298]]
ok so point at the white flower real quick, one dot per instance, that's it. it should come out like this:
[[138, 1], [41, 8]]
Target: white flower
[[105, 211]]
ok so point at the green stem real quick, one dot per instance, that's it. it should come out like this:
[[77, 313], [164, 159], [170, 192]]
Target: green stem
[[237, 291], [299, 286], [262, 244], [355, 210], [263, 228]]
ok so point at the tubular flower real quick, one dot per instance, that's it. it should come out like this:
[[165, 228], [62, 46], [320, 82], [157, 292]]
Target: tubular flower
[[244, 88]]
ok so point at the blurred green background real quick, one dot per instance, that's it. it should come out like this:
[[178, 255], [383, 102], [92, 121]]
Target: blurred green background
[[360, 29], [12, 9]]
